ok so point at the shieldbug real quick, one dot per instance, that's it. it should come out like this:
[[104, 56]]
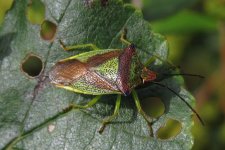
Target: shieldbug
[[108, 71]]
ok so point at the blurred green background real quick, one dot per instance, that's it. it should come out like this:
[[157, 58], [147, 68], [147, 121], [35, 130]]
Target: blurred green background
[[195, 30]]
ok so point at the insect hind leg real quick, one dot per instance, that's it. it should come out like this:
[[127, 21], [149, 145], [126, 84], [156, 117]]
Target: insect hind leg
[[110, 118], [123, 37]]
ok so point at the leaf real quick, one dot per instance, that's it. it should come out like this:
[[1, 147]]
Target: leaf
[[156, 9], [215, 8], [35, 114], [180, 23]]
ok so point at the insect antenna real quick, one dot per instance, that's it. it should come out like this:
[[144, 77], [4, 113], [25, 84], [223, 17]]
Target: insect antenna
[[171, 66], [174, 92]]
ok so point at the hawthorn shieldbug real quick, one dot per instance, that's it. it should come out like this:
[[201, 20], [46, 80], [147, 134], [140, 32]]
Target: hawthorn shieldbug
[[107, 71]]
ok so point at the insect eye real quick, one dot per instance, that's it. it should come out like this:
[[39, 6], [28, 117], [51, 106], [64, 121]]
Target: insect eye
[[132, 46], [127, 93]]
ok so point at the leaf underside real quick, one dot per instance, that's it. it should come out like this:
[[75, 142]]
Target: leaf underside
[[30, 108]]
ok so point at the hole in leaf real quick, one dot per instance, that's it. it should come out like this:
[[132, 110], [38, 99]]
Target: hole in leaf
[[32, 65], [48, 30], [4, 6], [36, 11], [153, 106], [171, 129]]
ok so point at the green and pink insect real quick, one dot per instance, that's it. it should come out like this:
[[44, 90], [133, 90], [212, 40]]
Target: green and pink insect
[[105, 71]]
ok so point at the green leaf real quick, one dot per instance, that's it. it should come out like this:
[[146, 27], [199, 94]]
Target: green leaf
[[35, 114], [156, 9], [181, 23], [216, 8]]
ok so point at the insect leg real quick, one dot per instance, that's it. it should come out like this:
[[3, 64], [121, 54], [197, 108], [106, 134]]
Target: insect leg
[[140, 110], [110, 118], [150, 61], [89, 104], [80, 46], [123, 37]]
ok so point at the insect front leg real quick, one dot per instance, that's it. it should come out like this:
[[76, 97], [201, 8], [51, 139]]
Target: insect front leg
[[79, 46], [140, 110], [110, 118], [123, 37], [150, 61], [89, 104]]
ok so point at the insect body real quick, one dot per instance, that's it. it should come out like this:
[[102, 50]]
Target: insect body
[[99, 72]]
